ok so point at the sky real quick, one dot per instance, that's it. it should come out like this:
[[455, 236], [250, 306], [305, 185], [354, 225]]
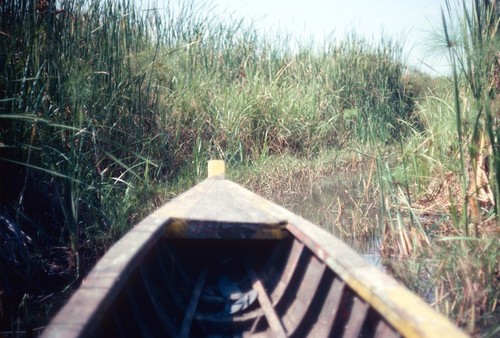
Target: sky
[[303, 20], [416, 20]]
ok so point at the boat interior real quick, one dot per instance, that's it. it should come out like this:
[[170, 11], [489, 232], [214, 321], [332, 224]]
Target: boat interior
[[237, 288]]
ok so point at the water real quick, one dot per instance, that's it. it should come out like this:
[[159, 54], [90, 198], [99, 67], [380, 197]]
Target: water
[[345, 204]]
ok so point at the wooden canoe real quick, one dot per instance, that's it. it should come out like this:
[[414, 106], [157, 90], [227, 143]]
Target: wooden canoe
[[220, 261]]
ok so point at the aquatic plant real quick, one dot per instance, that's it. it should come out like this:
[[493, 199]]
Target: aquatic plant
[[452, 171]]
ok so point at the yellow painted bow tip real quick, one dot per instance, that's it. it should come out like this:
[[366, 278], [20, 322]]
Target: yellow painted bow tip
[[216, 169]]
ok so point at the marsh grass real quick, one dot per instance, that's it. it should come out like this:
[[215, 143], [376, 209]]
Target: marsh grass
[[78, 131], [451, 170], [475, 58], [425, 243], [249, 99]]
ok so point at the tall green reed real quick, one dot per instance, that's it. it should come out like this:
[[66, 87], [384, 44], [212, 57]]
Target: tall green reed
[[244, 95], [452, 169], [79, 123], [373, 87], [472, 44]]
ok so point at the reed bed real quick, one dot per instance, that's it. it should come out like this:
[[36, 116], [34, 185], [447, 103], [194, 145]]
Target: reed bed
[[79, 132], [448, 231], [252, 102]]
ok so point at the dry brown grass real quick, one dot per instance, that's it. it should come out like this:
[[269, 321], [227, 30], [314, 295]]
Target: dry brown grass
[[462, 267]]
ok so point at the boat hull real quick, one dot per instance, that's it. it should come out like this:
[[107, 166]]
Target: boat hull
[[220, 261]]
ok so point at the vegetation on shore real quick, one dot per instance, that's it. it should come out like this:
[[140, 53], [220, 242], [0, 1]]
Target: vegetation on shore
[[105, 108]]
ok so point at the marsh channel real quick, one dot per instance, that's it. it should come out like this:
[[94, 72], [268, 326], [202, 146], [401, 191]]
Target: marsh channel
[[345, 203]]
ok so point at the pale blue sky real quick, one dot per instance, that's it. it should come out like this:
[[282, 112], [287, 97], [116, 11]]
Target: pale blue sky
[[415, 19], [303, 19]]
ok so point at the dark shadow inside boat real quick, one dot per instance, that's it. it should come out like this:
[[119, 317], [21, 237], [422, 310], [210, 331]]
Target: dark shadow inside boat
[[236, 288], [227, 304], [161, 294]]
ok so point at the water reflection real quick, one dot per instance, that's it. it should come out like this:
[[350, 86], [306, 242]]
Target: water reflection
[[346, 205], [369, 248]]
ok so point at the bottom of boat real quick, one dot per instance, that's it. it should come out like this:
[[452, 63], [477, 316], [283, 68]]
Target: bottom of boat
[[238, 288]]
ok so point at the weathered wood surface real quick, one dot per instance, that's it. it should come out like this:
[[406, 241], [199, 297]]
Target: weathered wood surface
[[219, 209]]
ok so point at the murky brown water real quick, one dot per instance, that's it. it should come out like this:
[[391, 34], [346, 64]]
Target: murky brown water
[[347, 205]]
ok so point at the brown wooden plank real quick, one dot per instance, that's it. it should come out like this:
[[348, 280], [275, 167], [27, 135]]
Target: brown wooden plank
[[197, 229], [165, 321], [405, 311], [118, 324], [304, 295], [324, 324], [134, 306], [265, 334], [193, 302], [385, 331], [271, 316], [291, 265], [73, 320], [356, 319], [220, 201]]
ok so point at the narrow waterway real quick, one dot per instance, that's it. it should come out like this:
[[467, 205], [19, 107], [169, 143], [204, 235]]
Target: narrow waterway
[[346, 204]]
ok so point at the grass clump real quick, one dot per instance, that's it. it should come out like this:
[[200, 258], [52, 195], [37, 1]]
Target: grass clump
[[449, 225], [78, 131], [236, 95]]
